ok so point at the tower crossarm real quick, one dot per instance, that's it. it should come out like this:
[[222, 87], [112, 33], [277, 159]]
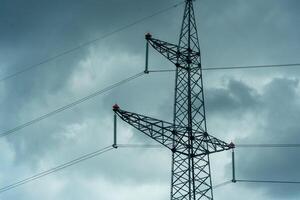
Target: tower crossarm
[[161, 131], [208, 144], [174, 53]]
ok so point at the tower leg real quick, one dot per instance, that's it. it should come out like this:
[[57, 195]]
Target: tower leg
[[191, 178]]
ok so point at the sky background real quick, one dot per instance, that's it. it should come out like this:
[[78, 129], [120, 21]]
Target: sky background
[[244, 106]]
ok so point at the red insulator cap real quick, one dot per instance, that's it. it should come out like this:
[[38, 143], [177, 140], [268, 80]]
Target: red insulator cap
[[148, 36], [232, 145], [116, 107]]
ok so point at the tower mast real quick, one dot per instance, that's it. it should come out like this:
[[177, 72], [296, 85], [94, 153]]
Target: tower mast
[[190, 173], [187, 136]]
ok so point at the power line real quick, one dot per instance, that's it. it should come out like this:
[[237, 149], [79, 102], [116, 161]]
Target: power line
[[160, 146], [221, 184], [85, 44], [65, 165], [241, 145], [268, 145], [237, 146], [268, 181], [252, 67], [151, 146], [71, 163], [70, 105], [109, 148], [236, 67], [56, 169]]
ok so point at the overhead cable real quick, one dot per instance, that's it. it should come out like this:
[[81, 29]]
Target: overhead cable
[[140, 146], [236, 145], [268, 145], [268, 181], [109, 148], [85, 44], [70, 105], [236, 67], [56, 169], [221, 184], [252, 67]]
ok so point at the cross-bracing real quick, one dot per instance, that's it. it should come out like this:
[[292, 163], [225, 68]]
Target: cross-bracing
[[187, 135]]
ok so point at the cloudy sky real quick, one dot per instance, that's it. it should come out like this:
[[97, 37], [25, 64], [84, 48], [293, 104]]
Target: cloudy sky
[[244, 106]]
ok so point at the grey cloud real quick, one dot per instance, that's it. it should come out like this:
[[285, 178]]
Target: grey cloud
[[231, 33], [280, 107], [234, 99]]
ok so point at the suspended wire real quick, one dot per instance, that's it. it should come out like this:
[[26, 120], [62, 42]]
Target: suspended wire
[[140, 146], [251, 67], [236, 67], [109, 148], [162, 70], [237, 145], [56, 169], [267, 145], [67, 164], [221, 184], [268, 181], [70, 105], [85, 44], [160, 146]]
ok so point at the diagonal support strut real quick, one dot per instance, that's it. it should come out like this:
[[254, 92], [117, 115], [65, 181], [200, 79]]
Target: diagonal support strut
[[187, 135]]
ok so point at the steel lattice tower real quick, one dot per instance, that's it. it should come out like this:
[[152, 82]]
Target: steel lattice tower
[[187, 136]]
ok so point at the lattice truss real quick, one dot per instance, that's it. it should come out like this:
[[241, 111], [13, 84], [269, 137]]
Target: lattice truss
[[187, 136]]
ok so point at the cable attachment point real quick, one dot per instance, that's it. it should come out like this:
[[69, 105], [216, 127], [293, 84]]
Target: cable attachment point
[[231, 145], [173, 149], [116, 107], [148, 36]]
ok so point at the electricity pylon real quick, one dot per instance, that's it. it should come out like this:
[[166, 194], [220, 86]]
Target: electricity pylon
[[187, 136]]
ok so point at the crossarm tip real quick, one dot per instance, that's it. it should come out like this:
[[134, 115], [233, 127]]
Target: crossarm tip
[[148, 36], [231, 145], [116, 107]]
